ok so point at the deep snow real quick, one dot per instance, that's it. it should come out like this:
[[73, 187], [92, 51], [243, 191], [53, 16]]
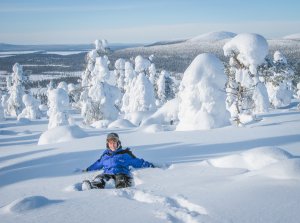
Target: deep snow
[[229, 174]]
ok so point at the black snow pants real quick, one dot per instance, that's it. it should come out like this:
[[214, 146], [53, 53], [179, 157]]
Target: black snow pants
[[121, 180]]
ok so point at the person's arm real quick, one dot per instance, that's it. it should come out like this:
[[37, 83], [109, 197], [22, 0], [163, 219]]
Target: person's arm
[[98, 165], [137, 162]]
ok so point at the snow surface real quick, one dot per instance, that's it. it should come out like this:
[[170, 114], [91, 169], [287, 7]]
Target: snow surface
[[213, 36], [229, 174]]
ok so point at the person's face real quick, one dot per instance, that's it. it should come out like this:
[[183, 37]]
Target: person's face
[[112, 144]]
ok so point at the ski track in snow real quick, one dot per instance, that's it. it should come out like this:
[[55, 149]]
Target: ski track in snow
[[174, 209]]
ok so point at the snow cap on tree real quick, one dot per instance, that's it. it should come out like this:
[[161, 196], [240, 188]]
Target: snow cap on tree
[[141, 64], [279, 58], [251, 50]]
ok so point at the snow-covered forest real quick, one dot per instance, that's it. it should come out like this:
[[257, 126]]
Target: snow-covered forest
[[223, 134]]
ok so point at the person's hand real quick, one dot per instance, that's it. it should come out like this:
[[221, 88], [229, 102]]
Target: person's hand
[[85, 170]]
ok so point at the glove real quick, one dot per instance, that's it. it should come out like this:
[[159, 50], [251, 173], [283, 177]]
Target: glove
[[151, 165], [85, 170]]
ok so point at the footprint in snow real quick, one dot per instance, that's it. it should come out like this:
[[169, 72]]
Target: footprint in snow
[[174, 209]]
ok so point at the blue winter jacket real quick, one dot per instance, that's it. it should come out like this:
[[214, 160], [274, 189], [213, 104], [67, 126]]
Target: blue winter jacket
[[119, 161]]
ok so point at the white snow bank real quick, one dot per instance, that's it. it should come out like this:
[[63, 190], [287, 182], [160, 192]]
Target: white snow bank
[[167, 114], [101, 124], [253, 159], [61, 134], [213, 36], [152, 128], [251, 49], [137, 117], [28, 203], [121, 123]]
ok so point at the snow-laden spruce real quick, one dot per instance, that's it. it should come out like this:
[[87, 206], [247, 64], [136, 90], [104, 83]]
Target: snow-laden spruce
[[139, 96], [141, 64], [58, 100], [15, 104], [279, 83], [165, 88], [2, 117], [98, 99], [202, 95], [120, 73], [31, 110], [246, 94]]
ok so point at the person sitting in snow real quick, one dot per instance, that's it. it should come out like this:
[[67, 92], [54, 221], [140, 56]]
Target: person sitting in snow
[[115, 161]]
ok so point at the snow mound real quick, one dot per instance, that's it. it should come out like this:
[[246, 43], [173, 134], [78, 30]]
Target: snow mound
[[295, 36], [121, 123], [137, 117], [101, 124], [24, 121], [167, 114], [28, 203], [152, 128], [254, 159], [286, 169], [213, 36], [61, 134]]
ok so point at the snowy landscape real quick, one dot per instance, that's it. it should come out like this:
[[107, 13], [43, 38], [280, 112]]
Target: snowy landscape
[[223, 133]]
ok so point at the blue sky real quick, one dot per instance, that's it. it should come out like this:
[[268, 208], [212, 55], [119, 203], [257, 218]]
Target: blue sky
[[141, 21]]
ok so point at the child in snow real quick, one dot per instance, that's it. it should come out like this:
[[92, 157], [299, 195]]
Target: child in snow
[[115, 161]]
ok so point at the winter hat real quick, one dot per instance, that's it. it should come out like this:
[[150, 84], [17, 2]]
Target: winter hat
[[112, 135]]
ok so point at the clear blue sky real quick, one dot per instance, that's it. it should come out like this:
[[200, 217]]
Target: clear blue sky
[[141, 21]]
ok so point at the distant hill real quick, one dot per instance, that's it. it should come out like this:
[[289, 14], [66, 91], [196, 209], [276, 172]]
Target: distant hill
[[213, 36], [295, 36], [61, 47]]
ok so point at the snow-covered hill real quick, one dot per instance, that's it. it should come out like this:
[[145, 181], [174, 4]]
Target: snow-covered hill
[[213, 36], [230, 174], [295, 36], [176, 56]]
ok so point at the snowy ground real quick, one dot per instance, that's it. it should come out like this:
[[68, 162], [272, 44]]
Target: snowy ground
[[219, 175]]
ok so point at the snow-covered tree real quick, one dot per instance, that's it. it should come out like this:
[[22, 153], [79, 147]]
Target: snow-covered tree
[[279, 81], [31, 110], [130, 75], [98, 98], [120, 73], [298, 90], [141, 64], [202, 95], [63, 85], [91, 61], [2, 117], [139, 96], [245, 93], [16, 91], [101, 103], [58, 101], [165, 87], [152, 73]]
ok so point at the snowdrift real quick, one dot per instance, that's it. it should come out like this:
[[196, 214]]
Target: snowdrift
[[28, 203], [267, 161], [61, 134]]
